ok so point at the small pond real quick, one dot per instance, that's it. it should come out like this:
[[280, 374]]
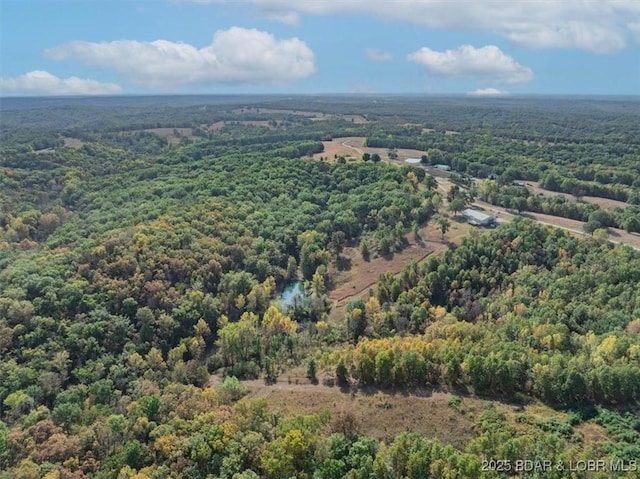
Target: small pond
[[292, 294]]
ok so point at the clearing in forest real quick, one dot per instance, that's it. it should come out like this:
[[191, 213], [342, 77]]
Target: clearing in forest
[[604, 203], [355, 282], [385, 413], [170, 133], [353, 146]]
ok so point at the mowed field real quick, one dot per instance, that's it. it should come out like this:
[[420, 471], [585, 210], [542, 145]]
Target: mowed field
[[354, 146]]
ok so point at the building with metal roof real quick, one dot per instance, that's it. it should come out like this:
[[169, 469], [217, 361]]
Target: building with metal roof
[[478, 218]]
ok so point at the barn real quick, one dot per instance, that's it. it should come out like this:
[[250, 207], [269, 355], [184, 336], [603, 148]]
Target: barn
[[478, 218]]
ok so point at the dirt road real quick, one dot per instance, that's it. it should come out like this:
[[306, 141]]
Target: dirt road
[[616, 236]]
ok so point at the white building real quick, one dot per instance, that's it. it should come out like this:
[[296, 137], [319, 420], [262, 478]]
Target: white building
[[477, 218]]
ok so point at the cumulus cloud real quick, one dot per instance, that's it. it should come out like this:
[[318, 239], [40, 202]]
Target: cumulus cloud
[[599, 26], [40, 82], [235, 56], [487, 92], [484, 63]]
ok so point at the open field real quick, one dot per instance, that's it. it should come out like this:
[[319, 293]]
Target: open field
[[272, 111], [72, 142], [347, 147], [356, 119], [604, 203], [354, 146], [313, 115], [426, 411], [220, 124], [357, 143], [170, 133], [364, 274]]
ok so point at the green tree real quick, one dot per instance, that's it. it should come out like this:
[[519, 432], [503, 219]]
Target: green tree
[[150, 406], [312, 371], [444, 225], [457, 205], [356, 321], [384, 369], [519, 203], [18, 403], [337, 243], [231, 390], [430, 182], [342, 374], [4, 444], [364, 250]]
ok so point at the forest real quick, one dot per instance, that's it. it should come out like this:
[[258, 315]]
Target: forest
[[145, 244]]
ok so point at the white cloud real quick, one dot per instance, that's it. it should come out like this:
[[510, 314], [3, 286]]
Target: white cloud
[[39, 82], [599, 26], [487, 92], [378, 56], [635, 28], [484, 63], [288, 18], [237, 55]]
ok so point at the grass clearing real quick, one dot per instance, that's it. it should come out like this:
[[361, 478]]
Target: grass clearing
[[380, 414], [385, 413], [604, 203], [218, 125], [355, 146], [363, 275], [72, 142], [173, 135]]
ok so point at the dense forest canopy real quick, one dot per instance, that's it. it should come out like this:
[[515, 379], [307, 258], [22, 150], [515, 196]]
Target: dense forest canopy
[[144, 243]]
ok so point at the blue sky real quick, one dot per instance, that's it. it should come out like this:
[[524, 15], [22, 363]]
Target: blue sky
[[481, 47]]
